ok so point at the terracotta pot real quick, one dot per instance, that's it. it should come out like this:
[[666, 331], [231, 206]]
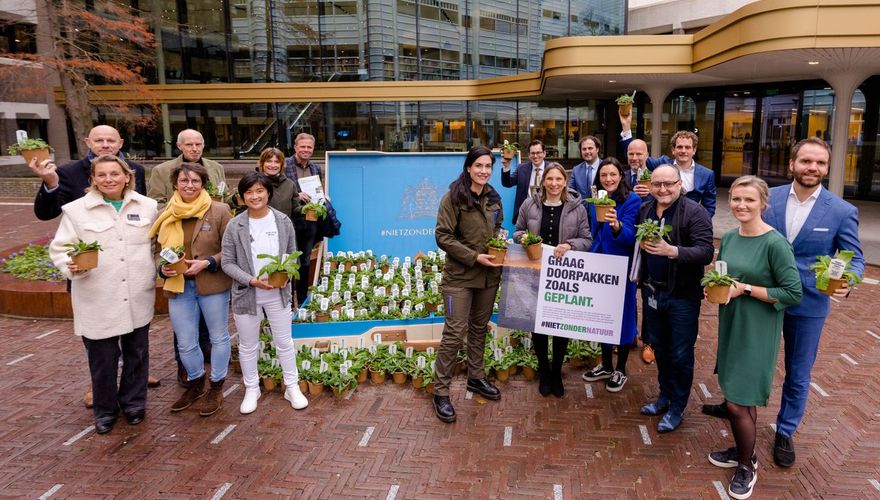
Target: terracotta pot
[[601, 210], [528, 373], [398, 377], [576, 362], [499, 254], [646, 183], [268, 384], [311, 215], [502, 375], [430, 307], [377, 376], [281, 387], [303, 386], [180, 266], [41, 154], [458, 368], [347, 266], [429, 388], [417, 382], [512, 370], [508, 154], [625, 109], [86, 260], [385, 268], [322, 317], [833, 285], [362, 376], [278, 279], [340, 393], [718, 294], [534, 251], [315, 389]]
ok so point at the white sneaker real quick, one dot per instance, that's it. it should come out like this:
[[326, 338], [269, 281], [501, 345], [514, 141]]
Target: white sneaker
[[295, 396], [249, 403]]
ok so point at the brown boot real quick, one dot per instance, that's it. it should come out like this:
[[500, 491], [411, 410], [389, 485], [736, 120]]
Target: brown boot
[[213, 400], [194, 390]]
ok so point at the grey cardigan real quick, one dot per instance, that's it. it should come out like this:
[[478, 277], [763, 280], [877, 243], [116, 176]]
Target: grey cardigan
[[238, 264], [574, 225]]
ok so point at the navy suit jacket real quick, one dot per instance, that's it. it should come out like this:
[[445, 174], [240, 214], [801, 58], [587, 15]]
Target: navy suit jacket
[[832, 225], [520, 177], [704, 179], [579, 181]]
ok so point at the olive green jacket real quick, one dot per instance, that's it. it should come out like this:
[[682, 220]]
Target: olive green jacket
[[161, 188], [462, 233]]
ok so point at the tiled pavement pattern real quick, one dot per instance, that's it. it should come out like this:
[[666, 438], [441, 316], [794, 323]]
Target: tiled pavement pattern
[[587, 444]]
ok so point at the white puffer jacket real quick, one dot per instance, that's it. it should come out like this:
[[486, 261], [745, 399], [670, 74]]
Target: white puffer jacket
[[119, 295]]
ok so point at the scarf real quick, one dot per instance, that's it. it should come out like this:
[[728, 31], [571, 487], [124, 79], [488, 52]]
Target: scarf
[[169, 227]]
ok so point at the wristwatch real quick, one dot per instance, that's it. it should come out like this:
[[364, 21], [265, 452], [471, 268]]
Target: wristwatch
[[748, 290]]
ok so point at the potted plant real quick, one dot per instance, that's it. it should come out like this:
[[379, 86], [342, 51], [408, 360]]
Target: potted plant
[[509, 150], [497, 248], [579, 351], [529, 364], [179, 264], [217, 193], [84, 255], [717, 284], [825, 267], [532, 243], [651, 231], [313, 210], [30, 148], [340, 381], [603, 204], [625, 104], [280, 268]]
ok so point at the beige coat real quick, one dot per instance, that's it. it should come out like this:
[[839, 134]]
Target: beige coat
[[161, 187], [117, 296]]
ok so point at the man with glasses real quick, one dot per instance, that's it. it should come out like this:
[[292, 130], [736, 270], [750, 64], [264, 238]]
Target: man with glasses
[[526, 177], [584, 173], [669, 272]]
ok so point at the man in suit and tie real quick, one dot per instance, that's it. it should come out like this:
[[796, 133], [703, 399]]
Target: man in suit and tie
[[526, 177], [697, 181], [816, 222], [636, 156], [584, 173]]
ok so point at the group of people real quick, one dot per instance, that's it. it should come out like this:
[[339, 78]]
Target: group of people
[[104, 199], [780, 233]]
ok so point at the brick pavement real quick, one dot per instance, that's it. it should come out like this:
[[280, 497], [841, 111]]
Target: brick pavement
[[585, 446]]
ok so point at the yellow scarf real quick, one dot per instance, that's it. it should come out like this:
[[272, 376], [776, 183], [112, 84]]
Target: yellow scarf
[[170, 228]]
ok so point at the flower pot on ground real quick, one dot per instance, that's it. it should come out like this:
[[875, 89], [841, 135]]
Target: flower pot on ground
[[502, 374], [512, 370], [458, 368], [322, 317], [528, 373], [315, 388], [340, 393], [362, 376], [429, 388], [417, 382], [84, 255], [268, 383], [30, 148], [576, 362], [303, 386], [377, 376], [399, 377]]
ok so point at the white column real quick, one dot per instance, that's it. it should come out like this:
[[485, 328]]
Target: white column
[[658, 94], [844, 86]]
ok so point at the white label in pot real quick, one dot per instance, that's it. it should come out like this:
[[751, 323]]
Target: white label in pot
[[720, 267], [836, 269], [169, 255]]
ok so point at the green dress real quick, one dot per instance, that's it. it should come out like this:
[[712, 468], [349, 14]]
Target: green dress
[[749, 329]]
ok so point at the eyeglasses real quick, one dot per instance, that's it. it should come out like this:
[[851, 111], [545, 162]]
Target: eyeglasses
[[667, 185], [191, 182]]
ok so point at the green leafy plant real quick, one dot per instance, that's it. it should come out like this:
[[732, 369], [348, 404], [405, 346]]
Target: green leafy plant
[[179, 250], [31, 263], [28, 145], [582, 349], [319, 209], [510, 146], [823, 264], [603, 200], [82, 247], [530, 238], [645, 175], [496, 242], [624, 99], [650, 230], [714, 278], [289, 265]]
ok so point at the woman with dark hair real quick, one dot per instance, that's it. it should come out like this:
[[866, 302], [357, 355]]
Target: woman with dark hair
[[285, 197], [261, 229], [112, 320], [192, 221], [556, 214], [470, 213], [615, 234]]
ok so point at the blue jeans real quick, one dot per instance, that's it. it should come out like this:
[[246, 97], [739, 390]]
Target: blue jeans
[[801, 336], [672, 330], [184, 312]]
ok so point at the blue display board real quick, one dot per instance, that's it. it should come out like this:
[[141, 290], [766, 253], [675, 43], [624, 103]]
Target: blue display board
[[387, 202]]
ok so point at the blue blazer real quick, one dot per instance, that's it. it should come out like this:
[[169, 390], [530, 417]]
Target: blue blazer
[[579, 181], [704, 179], [519, 177], [606, 242], [832, 225]]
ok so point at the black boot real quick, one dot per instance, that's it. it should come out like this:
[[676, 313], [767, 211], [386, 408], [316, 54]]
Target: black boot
[[545, 382], [558, 389], [482, 387], [443, 409]]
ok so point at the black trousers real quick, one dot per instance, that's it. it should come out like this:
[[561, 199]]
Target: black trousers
[[130, 394], [204, 342]]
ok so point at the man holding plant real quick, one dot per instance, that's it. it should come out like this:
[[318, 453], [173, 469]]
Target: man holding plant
[[816, 222], [527, 176], [669, 274]]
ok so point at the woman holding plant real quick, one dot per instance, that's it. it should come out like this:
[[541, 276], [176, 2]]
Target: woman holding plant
[[469, 215], [251, 241], [615, 234], [111, 319], [558, 216], [193, 221], [766, 280]]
